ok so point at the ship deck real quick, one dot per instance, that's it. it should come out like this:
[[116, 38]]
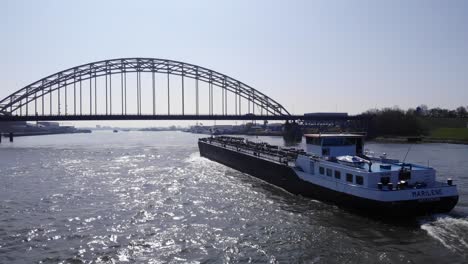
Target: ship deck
[[261, 150], [286, 155]]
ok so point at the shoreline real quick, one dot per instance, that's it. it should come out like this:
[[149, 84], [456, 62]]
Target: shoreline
[[26, 134], [400, 140], [404, 140]]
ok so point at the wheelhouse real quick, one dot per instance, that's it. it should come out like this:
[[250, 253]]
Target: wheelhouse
[[340, 158], [334, 145]]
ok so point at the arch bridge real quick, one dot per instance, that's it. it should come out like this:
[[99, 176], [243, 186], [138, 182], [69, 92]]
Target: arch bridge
[[143, 89], [98, 91]]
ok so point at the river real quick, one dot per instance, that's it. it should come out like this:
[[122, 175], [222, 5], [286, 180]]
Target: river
[[148, 197]]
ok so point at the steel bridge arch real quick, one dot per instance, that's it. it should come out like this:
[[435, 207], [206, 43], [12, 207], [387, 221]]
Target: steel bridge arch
[[71, 76]]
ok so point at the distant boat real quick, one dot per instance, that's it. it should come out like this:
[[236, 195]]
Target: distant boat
[[115, 131]]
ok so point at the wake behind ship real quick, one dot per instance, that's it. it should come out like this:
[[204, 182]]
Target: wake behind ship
[[334, 169]]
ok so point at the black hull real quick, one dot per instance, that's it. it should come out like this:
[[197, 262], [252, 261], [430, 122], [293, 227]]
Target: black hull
[[284, 176]]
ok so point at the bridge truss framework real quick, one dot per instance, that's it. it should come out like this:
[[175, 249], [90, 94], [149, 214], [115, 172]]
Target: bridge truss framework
[[65, 100]]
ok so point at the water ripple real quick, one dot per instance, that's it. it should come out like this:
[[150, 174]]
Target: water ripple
[[152, 199]]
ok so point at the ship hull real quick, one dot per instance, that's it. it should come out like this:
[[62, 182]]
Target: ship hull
[[286, 178]]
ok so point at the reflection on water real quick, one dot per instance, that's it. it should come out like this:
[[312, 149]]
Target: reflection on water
[[149, 197]]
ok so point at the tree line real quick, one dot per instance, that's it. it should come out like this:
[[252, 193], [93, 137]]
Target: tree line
[[412, 122], [423, 110]]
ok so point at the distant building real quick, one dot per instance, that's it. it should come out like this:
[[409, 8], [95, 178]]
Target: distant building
[[13, 126], [325, 114], [22, 128], [49, 124], [276, 127]]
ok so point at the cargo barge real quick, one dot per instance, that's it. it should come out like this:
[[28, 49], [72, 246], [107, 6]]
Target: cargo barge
[[334, 169]]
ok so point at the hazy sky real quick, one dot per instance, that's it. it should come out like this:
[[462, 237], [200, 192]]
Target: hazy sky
[[311, 56]]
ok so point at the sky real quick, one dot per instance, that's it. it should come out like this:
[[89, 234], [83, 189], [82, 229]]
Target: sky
[[310, 56]]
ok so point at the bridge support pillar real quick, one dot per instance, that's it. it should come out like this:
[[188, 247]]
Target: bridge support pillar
[[11, 136], [0, 137], [292, 132]]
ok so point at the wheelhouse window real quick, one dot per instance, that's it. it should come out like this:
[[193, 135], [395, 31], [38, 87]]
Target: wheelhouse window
[[325, 152], [313, 141], [359, 180], [349, 177], [322, 170], [338, 141], [338, 174], [329, 172], [332, 142]]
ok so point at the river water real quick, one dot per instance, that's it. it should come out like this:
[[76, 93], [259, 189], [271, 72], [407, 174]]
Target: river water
[[148, 197]]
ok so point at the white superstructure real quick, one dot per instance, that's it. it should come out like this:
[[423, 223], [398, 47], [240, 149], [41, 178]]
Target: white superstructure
[[337, 162]]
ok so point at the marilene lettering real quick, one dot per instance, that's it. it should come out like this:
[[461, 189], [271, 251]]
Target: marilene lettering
[[427, 193]]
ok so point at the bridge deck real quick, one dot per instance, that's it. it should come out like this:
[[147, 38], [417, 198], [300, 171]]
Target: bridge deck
[[8, 118]]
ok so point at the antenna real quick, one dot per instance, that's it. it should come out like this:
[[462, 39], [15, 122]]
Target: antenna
[[407, 153]]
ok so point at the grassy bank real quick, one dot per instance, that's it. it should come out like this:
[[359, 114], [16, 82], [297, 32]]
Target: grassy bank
[[460, 134], [438, 135]]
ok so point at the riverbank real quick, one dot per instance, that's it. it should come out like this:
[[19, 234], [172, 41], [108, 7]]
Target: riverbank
[[25, 134], [419, 140]]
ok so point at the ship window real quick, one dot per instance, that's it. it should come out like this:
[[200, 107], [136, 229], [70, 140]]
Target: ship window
[[337, 174], [321, 170], [313, 141], [349, 141], [316, 141], [339, 141], [325, 152], [359, 180], [349, 177], [332, 142], [329, 172]]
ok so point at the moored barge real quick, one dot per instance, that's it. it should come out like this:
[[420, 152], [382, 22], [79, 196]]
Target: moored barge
[[333, 168]]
